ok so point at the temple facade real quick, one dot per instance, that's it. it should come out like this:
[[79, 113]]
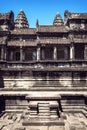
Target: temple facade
[[43, 73]]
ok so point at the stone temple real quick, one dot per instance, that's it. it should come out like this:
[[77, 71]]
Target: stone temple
[[43, 73]]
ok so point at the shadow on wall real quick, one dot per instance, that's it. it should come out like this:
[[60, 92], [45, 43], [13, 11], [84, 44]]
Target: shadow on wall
[[2, 104], [1, 82]]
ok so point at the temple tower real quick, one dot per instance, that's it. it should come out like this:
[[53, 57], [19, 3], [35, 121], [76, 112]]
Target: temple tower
[[58, 20], [21, 20]]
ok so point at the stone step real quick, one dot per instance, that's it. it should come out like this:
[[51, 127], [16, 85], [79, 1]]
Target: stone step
[[42, 111], [33, 113], [43, 104], [44, 114], [44, 107]]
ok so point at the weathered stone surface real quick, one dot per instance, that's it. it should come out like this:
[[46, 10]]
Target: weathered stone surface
[[43, 73]]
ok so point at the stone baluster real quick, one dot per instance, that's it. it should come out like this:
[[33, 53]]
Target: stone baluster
[[21, 53], [55, 53], [47, 78], [85, 52], [72, 52], [38, 53], [5, 53]]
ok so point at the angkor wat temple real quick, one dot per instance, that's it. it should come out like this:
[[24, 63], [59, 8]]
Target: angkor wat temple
[[43, 73]]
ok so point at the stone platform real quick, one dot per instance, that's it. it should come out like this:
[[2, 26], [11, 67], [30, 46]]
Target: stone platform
[[41, 124]]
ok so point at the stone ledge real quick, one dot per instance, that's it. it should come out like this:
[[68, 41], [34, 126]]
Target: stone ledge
[[43, 96], [41, 122]]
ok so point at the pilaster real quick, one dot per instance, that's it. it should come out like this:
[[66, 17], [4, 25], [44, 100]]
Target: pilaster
[[21, 53], [66, 53], [11, 55], [72, 52], [85, 52], [2, 53], [55, 53], [38, 53]]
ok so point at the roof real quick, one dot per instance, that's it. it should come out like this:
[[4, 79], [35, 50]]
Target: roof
[[5, 15], [80, 40], [35, 42], [22, 43], [61, 68], [70, 15], [26, 31], [78, 16], [21, 20], [54, 41], [52, 29], [58, 20]]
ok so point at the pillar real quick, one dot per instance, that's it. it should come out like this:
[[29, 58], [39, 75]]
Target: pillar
[[38, 53], [66, 53], [11, 56], [23, 56], [5, 53], [47, 78], [72, 53], [2, 53], [85, 52], [21, 53], [55, 53]]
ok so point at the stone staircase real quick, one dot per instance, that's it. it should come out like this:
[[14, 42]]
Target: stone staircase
[[44, 110]]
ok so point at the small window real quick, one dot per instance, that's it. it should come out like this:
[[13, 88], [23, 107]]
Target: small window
[[47, 53], [30, 54], [16, 56], [0, 53], [34, 55], [79, 52], [63, 53]]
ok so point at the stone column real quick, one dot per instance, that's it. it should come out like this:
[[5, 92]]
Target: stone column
[[72, 52], [2, 53], [11, 56], [38, 53], [47, 78], [66, 53], [5, 53], [21, 53], [85, 52], [55, 53]]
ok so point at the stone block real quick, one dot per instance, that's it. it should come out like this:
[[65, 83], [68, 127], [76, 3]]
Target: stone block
[[77, 127], [56, 128], [20, 128]]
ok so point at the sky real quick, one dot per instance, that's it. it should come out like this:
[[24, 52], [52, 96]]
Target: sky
[[43, 10]]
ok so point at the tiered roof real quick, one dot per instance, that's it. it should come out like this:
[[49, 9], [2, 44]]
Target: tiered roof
[[52, 29], [79, 16], [54, 41], [80, 40], [58, 27], [6, 16], [58, 20], [21, 20], [24, 31], [82, 16], [22, 43]]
